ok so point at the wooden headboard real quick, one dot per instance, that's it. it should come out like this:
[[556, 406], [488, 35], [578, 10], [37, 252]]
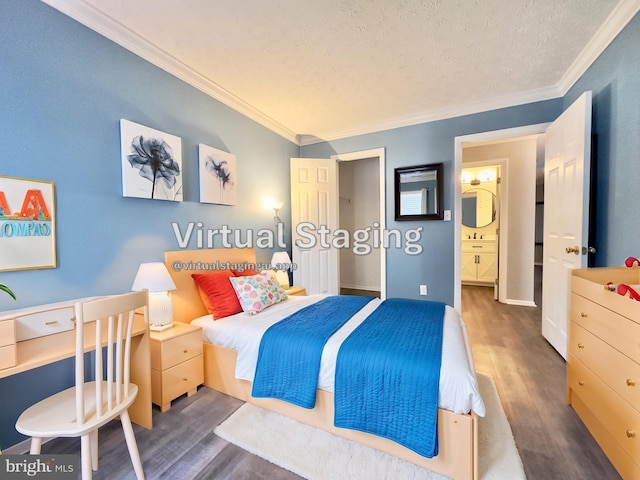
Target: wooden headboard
[[187, 305]]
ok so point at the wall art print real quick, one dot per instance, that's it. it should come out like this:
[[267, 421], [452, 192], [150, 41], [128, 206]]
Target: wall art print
[[218, 176], [27, 224], [151, 163]]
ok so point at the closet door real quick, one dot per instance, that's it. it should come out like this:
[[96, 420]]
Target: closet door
[[314, 205]]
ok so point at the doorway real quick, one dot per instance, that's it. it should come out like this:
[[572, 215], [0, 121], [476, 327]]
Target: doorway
[[516, 237], [315, 202], [362, 193], [359, 211]]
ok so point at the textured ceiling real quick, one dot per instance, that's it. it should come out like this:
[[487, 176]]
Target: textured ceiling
[[331, 68]]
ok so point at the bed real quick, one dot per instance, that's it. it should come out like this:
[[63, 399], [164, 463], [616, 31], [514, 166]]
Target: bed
[[457, 423]]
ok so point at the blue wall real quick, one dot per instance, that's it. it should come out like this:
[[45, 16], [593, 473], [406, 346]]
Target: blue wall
[[63, 91], [614, 79], [430, 143]]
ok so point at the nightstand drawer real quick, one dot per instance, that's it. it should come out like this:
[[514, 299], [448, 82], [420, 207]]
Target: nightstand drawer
[[171, 352], [178, 380]]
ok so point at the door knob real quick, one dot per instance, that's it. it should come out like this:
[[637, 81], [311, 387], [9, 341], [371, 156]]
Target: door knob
[[575, 250]]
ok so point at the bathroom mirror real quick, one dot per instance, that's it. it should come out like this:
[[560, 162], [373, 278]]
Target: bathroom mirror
[[478, 208], [418, 192]]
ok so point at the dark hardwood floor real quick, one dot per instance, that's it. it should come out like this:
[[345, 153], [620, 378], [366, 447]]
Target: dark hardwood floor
[[506, 343]]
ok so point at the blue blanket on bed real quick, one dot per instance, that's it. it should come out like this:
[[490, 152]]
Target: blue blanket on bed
[[290, 351], [388, 374]]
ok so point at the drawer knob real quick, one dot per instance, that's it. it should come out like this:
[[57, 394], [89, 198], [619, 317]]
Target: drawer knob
[[581, 382], [583, 315], [630, 383], [185, 379], [631, 434], [580, 345], [184, 351]]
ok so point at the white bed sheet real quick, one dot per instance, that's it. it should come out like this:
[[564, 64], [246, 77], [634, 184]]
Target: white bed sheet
[[242, 332]]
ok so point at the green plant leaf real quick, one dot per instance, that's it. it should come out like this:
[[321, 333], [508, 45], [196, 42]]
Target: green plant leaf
[[4, 288]]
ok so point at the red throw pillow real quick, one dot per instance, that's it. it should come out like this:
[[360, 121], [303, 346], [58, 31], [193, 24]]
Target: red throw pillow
[[217, 293], [247, 272]]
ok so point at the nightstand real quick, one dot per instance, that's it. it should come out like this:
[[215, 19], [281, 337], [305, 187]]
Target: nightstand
[[294, 291], [177, 363]]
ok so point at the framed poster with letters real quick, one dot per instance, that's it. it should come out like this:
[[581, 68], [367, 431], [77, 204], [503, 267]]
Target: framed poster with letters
[[27, 224]]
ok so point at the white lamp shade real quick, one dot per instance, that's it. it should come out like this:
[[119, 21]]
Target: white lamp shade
[[278, 260], [280, 257], [153, 277]]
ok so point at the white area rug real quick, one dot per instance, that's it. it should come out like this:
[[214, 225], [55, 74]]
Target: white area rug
[[318, 455]]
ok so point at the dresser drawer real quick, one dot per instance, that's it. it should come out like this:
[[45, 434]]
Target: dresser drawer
[[620, 419], [171, 352], [609, 326], [617, 370], [178, 380]]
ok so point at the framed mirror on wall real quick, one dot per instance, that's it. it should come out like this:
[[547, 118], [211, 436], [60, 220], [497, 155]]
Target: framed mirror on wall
[[419, 192]]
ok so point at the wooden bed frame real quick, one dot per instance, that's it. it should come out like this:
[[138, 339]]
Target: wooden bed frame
[[457, 434]]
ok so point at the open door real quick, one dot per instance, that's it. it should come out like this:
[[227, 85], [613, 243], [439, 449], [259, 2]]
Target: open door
[[314, 206], [566, 214]]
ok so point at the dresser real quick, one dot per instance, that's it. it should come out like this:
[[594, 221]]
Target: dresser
[[177, 363], [603, 365]]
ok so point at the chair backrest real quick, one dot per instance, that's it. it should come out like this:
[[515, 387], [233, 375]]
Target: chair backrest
[[105, 322]]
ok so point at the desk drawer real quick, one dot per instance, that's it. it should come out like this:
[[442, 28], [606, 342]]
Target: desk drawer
[[7, 333], [177, 350], [39, 324], [7, 356]]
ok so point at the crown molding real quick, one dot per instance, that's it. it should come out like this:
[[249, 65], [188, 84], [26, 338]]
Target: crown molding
[[480, 106], [106, 26], [613, 25]]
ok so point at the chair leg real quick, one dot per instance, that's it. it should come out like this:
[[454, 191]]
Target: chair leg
[[93, 437], [36, 443], [131, 444], [85, 454]]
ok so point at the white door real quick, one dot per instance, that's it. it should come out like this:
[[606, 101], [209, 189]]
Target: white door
[[566, 214], [314, 210]]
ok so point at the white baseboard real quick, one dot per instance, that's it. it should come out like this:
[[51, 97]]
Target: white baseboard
[[520, 303]]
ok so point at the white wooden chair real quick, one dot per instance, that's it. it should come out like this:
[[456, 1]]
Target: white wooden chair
[[80, 410]]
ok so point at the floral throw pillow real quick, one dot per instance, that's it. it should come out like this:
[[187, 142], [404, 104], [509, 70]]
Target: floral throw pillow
[[257, 292]]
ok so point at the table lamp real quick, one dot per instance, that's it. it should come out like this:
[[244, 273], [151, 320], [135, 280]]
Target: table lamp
[[283, 261], [156, 279]]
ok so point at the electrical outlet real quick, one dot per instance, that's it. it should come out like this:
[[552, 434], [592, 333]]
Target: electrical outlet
[[447, 215], [423, 289]]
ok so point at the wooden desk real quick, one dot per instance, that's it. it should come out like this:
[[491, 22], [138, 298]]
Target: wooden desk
[[48, 349]]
